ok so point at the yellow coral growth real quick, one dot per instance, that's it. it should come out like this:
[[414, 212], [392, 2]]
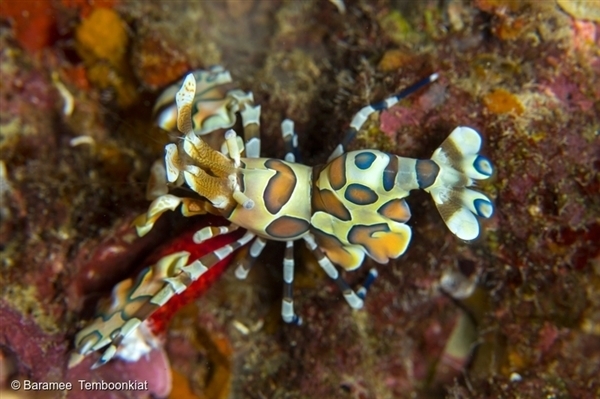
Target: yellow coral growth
[[501, 101], [102, 44], [102, 36], [397, 28], [393, 60]]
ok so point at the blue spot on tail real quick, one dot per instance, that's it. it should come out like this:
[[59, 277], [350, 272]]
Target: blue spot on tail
[[483, 165], [364, 160], [484, 208]]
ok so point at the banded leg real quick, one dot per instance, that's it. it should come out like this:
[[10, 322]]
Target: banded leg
[[362, 291], [361, 116], [244, 265], [154, 287], [251, 122], [287, 303], [290, 140], [351, 297], [213, 231]]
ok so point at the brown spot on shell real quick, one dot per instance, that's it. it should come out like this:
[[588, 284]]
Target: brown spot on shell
[[335, 251], [326, 201], [396, 209], [280, 187], [390, 172], [379, 241], [287, 227], [428, 170], [360, 195], [337, 172]]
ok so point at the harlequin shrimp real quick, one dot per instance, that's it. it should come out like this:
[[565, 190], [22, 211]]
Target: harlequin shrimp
[[348, 209]]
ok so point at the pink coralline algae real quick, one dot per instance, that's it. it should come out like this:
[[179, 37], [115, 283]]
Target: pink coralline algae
[[39, 356]]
